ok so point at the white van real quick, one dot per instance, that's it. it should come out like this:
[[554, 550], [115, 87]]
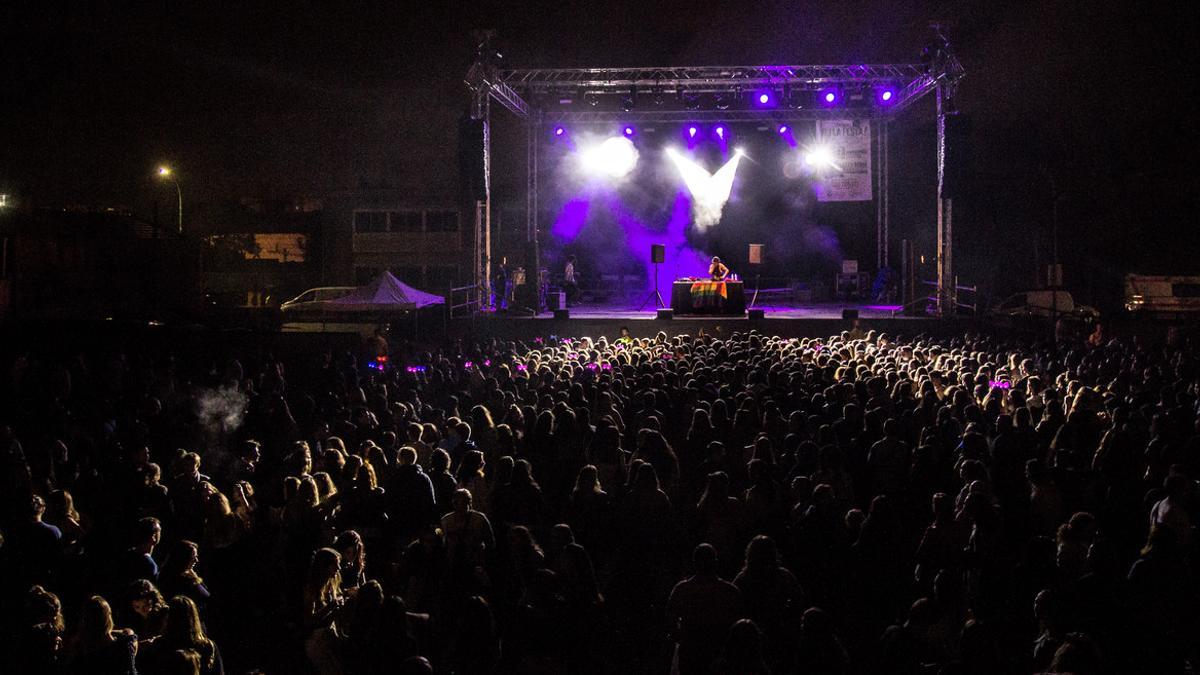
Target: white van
[[1163, 296]]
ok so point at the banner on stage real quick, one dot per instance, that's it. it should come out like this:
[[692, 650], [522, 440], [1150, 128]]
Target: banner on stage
[[849, 144]]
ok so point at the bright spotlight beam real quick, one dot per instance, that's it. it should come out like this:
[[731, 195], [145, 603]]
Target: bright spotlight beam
[[709, 191], [614, 158]]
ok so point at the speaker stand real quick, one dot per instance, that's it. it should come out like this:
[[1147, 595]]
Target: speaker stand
[[754, 298], [654, 295]]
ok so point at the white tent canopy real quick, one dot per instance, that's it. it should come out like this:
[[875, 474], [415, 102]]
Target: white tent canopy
[[385, 293]]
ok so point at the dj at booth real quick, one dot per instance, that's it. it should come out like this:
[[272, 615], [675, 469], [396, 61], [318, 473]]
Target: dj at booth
[[721, 293]]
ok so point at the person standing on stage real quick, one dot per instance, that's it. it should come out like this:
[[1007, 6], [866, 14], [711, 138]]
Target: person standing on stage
[[717, 270], [501, 286], [570, 281]]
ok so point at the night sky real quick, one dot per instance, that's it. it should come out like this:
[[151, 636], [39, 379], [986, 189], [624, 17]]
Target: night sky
[[267, 100]]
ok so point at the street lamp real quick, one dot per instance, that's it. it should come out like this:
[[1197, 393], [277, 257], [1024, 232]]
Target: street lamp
[[165, 173]]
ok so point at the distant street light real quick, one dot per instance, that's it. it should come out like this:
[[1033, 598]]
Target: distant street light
[[165, 173]]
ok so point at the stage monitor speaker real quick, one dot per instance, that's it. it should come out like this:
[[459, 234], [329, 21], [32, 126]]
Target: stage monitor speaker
[[754, 313], [665, 314], [849, 314], [658, 253], [562, 314], [958, 155], [756, 251], [470, 159]]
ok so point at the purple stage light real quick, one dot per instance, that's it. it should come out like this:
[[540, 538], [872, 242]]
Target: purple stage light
[[560, 130], [764, 98], [783, 128], [629, 131], [830, 97], [720, 131], [885, 96], [692, 132]]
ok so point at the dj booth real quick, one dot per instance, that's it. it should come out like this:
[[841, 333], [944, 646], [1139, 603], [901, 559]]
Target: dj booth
[[703, 296]]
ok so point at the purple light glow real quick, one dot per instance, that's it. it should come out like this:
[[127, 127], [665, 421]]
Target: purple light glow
[[559, 130], [764, 98], [783, 128], [830, 97], [692, 132], [629, 131], [571, 219], [885, 96], [720, 131]]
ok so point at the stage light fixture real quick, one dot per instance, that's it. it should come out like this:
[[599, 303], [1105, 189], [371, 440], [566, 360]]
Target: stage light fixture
[[692, 131], [627, 103], [629, 131], [783, 129], [820, 157], [560, 130], [765, 98], [739, 152], [830, 97], [885, 96], [719, 131], [613, 158]]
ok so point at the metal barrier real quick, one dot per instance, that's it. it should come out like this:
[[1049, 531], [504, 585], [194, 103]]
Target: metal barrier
[[932, 298], [471, 301]]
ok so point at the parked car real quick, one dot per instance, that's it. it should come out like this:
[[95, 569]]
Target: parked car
[[1044, 303], [314, 299], [1162, 296]]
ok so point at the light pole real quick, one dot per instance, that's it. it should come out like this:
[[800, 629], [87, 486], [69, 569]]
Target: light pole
[[165, 173]]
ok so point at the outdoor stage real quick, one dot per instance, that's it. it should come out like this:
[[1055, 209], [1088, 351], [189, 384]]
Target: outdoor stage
[[797, 320]]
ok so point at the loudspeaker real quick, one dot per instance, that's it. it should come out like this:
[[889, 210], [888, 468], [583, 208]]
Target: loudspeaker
[[756, 251], [665, 314], [754, 313], [562, 314], [849, 314], [958, 155], [556, 300], [470, 159], [658, 253]]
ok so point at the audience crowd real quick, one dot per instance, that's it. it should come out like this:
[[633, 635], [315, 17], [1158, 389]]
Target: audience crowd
[[711, 504]]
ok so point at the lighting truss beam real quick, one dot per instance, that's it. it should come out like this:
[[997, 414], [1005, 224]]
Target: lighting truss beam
[[485, 81], [706, 79]]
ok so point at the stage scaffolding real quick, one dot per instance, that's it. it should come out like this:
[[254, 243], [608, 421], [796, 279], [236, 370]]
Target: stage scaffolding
[[545, 97]]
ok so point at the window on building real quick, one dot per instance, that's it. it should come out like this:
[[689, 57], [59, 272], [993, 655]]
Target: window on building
[[406, 221], [440, 277], [363, 275], [370, 221], [441, 220], [409, 274]]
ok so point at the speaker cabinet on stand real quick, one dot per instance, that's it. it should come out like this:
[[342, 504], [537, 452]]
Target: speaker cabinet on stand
[[658, 254]]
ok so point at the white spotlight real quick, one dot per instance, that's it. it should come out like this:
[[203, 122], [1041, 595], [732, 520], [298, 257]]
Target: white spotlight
[[613, 158], [820, 157]]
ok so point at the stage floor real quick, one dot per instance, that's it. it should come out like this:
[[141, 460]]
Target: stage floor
[[609, 311]]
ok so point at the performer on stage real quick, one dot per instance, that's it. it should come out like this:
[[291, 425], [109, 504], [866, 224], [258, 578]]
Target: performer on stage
[[717, 271], [570, 281]]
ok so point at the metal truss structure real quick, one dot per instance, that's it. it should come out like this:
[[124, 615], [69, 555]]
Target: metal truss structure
[[675, 94]]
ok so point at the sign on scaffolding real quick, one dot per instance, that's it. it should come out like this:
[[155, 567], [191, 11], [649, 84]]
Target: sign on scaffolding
[[848, 144]]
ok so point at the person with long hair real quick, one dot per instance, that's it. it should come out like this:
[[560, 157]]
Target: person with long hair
[[184, 631], [179, 576], [323, 601], [144, 610], [98, 647]]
